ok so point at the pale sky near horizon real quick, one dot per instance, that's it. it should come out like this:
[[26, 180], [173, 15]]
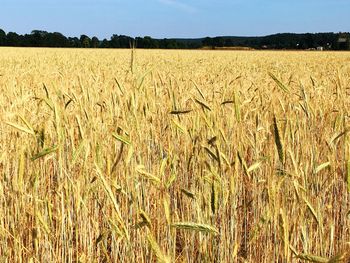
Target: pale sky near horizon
[[174, 18]]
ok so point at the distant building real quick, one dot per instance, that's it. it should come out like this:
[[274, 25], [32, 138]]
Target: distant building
[[320, 48]]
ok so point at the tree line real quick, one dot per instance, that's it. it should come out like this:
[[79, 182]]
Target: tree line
[[39, 38]]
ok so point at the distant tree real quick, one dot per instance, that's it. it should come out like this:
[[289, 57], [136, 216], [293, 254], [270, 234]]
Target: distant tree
[[105, 43], [194, 45], [95, 42], [85, 41], [121, 41], [343, 41], [228, 42], [38, 38], [13, 39], [74, 42], [310, 43], [172, 44], [115, 43], [219, 42], [41, 33], [146, 42], [207, 42], [2, 38], [56, 39], [150, 42]]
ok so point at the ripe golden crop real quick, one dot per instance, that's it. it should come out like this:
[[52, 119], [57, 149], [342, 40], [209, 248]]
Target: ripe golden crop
[[174, 156]]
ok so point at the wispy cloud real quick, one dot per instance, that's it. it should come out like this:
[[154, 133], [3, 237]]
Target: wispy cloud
[[179, 5]]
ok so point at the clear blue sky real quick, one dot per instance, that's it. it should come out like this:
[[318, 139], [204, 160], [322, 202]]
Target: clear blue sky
[[175, 18]]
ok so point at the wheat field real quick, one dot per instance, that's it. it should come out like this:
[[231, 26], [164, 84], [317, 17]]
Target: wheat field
[[174, 156]]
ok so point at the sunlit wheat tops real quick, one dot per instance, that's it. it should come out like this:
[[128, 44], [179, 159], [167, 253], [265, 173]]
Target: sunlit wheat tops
[[174, 156]]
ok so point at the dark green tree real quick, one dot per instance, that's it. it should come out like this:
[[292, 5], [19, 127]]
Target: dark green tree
[[95, 43], [13, 39], [74, 42], [208, 42], [38, 38], [104, 43], [56, 39], [2, 38], [85, 41]]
